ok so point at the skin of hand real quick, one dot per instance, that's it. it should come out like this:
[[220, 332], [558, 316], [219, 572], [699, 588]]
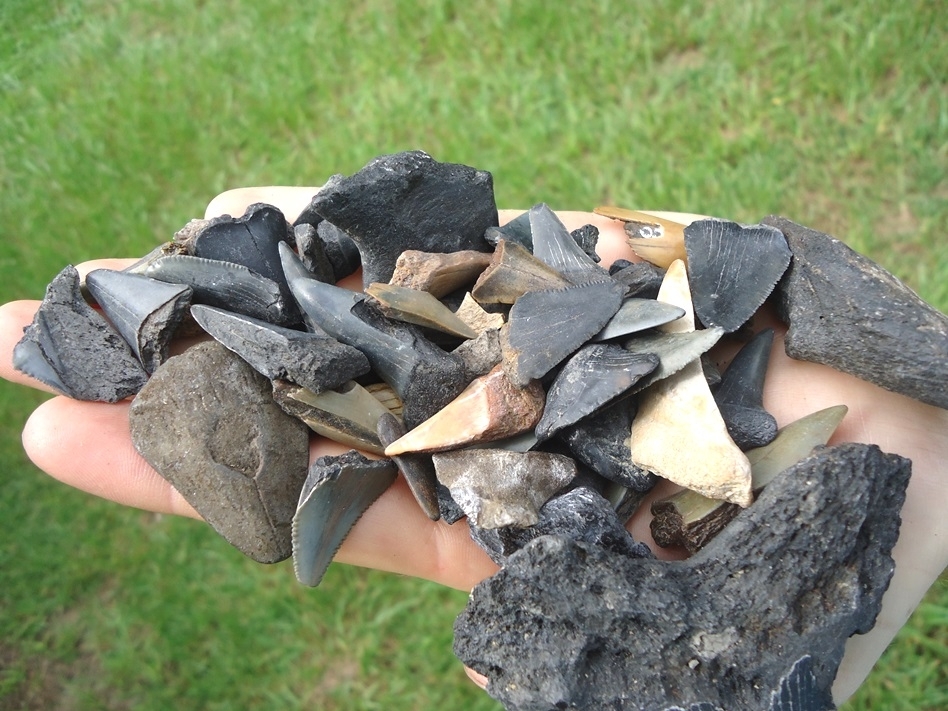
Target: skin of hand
[[88, 446]]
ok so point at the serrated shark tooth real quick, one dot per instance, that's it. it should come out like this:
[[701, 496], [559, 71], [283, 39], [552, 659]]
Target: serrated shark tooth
[[637, 315], [655, 239], [592, 377], [554, 245], [417, 469], [337, 491], [145, 311], [740, 396], [517, 230], [418, 307], [438, 273], [691, 449], [489, 408], [674, 351], [512, 272]]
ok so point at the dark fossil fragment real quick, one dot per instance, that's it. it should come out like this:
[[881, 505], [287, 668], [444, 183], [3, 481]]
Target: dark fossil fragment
[[573, 626], [223, 442], [847, 312], [74, 350], [312, 253], [740, 396], [417, 468], [641, 279]]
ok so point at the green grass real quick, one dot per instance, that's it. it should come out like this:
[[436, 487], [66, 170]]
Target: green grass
[[119, 121]]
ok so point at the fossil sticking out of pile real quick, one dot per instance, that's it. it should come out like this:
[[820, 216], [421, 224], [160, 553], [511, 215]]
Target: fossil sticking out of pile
[[543, 408]]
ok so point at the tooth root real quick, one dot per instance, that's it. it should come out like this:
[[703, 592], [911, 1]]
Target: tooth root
[[489, 408], [740, 394], [694, 450], [554, 245], [437, 273], [418, 307], [654, 239], [417, 469], [512, 272]]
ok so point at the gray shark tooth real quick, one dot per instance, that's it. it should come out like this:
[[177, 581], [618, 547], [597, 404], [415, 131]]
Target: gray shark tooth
[[847, 312], [580, 514], [641, 279], [316, 362], [787, 565], [512, 272], [437, 273], [489, 408], [544, 327], [554, 245], [674, 350], [517, 230], [417, 468], [227, 286], [409, 201], [732, 269], [497, 488], [637, 315], [312, 253], [593, 376], [349, 414], [337, 491], [145, 311], [602, 444], [740, 396], [799, 690], [418, 307], [71, 348]]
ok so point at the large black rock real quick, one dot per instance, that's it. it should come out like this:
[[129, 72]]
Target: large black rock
[[846, 311], [568, 625]]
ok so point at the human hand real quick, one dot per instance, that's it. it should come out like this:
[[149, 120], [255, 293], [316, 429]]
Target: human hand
[[87, 445]]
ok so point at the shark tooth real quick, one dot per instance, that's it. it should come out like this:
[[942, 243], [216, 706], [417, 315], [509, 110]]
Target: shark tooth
[[674, 351], [316, 362], [497, 488], [417, 468], [409, 201], [732, 269], [489, 408], [312, 253], [476, 317], [637, 315], [145, 311], [71, 348], [554, 245], [740, 396], [655, 239], [348, 415], [592, 377], [517, 230], [227, 286], [418, 307], [640, 279], [437, 273], [678, 432], [544, 327], [512, 272], [337, 491]]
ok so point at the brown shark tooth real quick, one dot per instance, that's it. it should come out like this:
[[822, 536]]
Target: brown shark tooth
[[337, 491], [678, 432], [691, 520], [489, 408], [498, 488], [438, 273], [655, 239], [476, 317], [417, 468], [637, 315], [514, 271], [418, 307], [348, 415]]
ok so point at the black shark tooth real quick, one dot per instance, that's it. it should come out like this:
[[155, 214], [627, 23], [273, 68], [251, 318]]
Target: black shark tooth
[[554, 245], [740, 396], [417, 468]]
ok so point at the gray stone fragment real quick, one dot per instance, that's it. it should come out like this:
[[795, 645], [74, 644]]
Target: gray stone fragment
[[847, 312], [312, 253], [572, 626], [480, 354], [71, 348], [208, 424]]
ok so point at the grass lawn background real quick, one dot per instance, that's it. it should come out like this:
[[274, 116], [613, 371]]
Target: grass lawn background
[[119, 121]]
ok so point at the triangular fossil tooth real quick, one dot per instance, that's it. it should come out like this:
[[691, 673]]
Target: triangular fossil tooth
[[517, 230], [732, 269], [418, 307], [438, 273], [554, 245], [476, 317], [693, 450], [592, 377], [226, 285], [740, 396], [637, 315], [145, 311], [498, 488], [348, 415], [544, 327], [655, 239], [489, 408], [337, 491], [674, 351], [512, 272], [316, 362], [417, 468]]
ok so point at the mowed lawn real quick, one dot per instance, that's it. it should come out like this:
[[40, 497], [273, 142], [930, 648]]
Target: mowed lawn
[[119, 121]]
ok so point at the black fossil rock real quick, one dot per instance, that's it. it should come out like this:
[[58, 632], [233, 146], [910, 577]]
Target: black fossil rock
[[226, 446], [846, 311], [568, 625], [641, 279], [409, 201], [73, 349]]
